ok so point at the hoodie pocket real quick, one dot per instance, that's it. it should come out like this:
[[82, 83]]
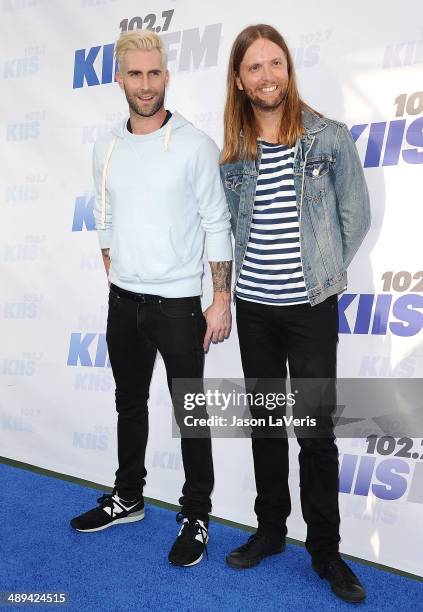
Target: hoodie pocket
[[153, 254]]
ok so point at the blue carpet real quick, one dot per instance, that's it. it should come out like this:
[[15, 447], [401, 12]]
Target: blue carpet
[[125, 567]]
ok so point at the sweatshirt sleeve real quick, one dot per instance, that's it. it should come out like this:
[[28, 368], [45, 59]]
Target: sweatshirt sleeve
[[103, 227], [212, 206]]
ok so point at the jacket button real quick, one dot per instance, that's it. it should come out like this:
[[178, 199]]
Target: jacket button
[[315, 172]]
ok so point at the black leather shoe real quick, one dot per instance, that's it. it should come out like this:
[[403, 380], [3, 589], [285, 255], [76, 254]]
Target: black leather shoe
[[258, 546], [343, 581]]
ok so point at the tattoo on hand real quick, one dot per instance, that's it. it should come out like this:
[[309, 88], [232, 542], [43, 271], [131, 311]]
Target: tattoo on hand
[[106, 260], [221, 273]]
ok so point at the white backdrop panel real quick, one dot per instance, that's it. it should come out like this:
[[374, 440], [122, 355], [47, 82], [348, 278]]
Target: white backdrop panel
[[359, 63]]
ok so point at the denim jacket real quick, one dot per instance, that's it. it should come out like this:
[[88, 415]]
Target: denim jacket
[[332, 202]]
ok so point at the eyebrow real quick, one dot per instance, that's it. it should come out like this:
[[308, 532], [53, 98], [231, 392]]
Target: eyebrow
[[280, 57], [140, 71]]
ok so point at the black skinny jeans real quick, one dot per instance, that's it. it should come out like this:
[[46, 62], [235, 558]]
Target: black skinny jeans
[[138, 326], [306, 337]]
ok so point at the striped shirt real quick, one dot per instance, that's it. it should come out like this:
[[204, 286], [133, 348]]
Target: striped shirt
[[272, 272]]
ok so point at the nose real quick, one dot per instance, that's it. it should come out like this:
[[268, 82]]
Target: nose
[[145, 82], [267, 72]]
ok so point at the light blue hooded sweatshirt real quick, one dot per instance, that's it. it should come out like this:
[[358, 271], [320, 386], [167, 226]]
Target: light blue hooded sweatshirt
[[158, 200]]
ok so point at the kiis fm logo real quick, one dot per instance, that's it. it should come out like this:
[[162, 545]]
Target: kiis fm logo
[[378, 314], [403, 54], [88, 350], [83, 215], [98, 440], [190, 48], [29, 129], [388, 478], [385, 312], [385, 140]]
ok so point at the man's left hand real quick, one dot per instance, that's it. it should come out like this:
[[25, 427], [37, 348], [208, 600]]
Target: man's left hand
[[219, 320]]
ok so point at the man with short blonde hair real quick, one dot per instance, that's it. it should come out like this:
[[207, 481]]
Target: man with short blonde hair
[[159, 200]]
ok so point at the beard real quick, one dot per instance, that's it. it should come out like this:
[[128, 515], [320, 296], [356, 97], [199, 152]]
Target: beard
[[263, 104], [149, 109]]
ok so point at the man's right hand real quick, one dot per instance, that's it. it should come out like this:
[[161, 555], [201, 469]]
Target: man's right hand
[[106, 261]]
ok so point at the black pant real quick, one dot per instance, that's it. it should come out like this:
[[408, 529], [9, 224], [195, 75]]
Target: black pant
[[138, 326], [306, 337]]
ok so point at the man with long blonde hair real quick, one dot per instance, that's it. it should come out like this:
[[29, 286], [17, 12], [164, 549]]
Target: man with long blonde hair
[[299, 211], [159, 201]]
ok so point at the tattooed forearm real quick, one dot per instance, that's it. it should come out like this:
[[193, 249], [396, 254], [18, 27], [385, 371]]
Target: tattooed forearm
[[221, 273], [106, 259]]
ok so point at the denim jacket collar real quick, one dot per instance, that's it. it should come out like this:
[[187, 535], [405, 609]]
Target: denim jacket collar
[[312, 123]]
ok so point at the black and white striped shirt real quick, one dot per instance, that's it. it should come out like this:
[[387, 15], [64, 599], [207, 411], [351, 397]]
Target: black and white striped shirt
[[272, 271]]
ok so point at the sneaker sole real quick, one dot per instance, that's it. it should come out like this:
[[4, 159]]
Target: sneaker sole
[[187, 564], [137, 516]]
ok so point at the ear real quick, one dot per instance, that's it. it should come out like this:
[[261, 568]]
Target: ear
[[167, 78], [119, 79], [238, 83]]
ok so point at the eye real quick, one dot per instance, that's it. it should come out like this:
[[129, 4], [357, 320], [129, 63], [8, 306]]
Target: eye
[[254, 67]]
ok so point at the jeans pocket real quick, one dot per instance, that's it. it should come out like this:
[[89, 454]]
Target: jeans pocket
[[114, 300], [179, 308]]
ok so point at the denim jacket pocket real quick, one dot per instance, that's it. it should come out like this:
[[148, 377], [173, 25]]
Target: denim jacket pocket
[[234, 178], [234, 183], [318, 167]]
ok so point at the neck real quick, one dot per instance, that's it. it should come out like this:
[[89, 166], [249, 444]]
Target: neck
[[146, 125], [268, 123]]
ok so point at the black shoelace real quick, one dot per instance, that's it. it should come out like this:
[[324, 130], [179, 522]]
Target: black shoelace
[[190, 530], [107, 500]]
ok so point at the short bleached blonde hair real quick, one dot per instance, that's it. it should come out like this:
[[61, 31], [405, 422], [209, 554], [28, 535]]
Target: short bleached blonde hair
[[139, 39]]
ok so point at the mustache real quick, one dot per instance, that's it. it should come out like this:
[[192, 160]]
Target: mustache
[[145, 93]]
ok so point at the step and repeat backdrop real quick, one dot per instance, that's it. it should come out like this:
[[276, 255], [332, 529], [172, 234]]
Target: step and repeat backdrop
[[361, 64]]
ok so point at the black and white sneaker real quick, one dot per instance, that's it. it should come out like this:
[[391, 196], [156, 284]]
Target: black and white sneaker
[[191, 542], [112, 511]]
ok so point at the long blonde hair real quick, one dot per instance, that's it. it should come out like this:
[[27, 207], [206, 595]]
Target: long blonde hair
[[240, 127]]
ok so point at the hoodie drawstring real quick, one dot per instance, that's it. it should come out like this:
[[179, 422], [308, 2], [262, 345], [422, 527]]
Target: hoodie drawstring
[[103, 180], [167, 135]]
